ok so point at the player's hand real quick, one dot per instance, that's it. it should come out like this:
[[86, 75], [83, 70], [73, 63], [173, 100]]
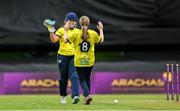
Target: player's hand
[[50, 25], [66, 25], [100, 26]]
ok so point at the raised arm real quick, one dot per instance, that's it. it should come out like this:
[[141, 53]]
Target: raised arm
[[54, 38], [66, 28], [101, 33], [50, 26]]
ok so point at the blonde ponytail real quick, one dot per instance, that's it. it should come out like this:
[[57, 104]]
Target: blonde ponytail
[[84, 22]]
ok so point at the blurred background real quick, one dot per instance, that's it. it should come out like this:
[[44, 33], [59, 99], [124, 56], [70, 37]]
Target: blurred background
[[141, 36]]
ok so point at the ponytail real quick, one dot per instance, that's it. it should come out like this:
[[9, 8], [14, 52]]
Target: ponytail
[[85, 34], [84, 22]]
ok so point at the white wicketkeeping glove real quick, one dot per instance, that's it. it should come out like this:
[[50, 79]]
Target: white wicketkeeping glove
[[50, 25]]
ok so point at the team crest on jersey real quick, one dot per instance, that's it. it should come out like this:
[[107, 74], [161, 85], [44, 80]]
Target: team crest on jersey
[[84, 61]]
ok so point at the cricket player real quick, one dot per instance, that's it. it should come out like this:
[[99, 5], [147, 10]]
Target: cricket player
[[84, 42], [65, 57]]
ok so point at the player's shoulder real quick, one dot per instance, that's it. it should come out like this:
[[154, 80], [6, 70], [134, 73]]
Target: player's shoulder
[[92, 31], [60, 29], [73, 31], [76, 29]]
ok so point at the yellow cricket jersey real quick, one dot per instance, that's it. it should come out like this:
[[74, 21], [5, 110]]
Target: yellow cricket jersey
[[65, 48], [84, 49]]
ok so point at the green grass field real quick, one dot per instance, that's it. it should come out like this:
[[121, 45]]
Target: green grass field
[[100, 102]]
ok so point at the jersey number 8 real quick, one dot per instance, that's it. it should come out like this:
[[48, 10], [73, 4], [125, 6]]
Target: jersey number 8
[[84, 46]]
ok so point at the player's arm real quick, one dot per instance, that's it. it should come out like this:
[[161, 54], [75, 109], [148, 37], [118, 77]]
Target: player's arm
[[66, 28], [54, 38], [101, 33], [50, 26]]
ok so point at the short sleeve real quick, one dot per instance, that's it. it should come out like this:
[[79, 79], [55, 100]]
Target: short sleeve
[[97, 37], [60, 32]]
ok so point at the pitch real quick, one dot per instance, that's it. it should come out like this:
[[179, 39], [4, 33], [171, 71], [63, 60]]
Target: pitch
[[100, 102]]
